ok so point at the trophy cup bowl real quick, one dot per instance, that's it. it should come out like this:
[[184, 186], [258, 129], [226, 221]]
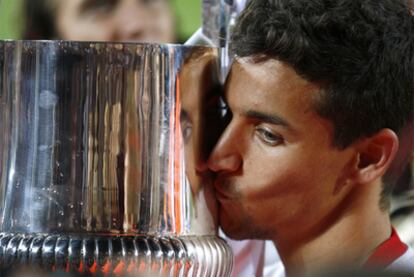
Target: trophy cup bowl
[[100, 158]]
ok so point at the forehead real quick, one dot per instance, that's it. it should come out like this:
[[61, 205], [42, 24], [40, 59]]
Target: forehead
[[54, 3], [270, 82], [274, 88]]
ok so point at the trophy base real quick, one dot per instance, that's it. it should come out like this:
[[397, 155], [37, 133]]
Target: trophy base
[[117, 254]]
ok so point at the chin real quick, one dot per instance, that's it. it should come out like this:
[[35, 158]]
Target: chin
[[238, 228], [233, 233], [232, 228], [241, 233]]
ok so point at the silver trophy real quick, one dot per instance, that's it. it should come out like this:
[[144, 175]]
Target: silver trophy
[[102, 156]]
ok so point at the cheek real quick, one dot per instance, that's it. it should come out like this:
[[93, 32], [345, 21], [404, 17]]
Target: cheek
[[291, 182], [274, 172], [87, 30], [288, 200], [72, 26], [162, 24], [292, 167]]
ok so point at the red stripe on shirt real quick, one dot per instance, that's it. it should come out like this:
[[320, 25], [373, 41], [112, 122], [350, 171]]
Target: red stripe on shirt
[[389, 251]]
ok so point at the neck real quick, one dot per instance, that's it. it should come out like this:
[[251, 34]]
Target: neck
[[347, 243]]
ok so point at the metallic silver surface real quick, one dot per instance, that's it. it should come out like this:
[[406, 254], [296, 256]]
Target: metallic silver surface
[[103, 158], [92, 138], [157, 256], [218, 18]]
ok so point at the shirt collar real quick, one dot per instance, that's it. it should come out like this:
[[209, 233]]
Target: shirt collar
[[387, 252]]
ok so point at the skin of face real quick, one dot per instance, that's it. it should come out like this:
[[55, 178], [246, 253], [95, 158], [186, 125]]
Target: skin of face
[[277, 171], [115, 20]]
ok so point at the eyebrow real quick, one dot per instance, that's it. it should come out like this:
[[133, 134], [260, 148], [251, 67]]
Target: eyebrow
[[268, 118], [87, 5]]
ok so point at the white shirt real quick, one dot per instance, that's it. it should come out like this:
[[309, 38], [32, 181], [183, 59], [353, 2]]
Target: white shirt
[[255, 258], [404, 262], [260, 259]]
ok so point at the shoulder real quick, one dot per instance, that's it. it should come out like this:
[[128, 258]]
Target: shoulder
[[404, 262]]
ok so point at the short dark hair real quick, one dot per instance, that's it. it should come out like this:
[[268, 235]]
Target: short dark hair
[[39, 19], [362, 52]]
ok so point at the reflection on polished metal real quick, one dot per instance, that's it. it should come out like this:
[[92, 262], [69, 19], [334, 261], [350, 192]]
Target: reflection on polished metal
[[219, 17], [100, 158]]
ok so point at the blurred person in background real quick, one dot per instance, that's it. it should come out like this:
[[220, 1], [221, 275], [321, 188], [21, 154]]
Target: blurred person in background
[[99, 20]]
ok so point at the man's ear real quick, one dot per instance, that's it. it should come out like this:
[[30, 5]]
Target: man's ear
[[375, 155]]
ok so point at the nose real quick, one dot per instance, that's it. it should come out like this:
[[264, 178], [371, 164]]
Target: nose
[[131, 21], [226, 155]]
